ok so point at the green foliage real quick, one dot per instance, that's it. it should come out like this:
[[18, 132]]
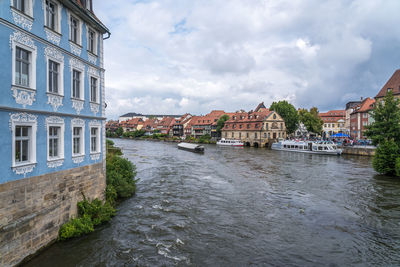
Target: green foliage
[[311, 120], [98, 212], [120, 184], [111, 134], [386, 156], [204, 139], [120, 174], [387, 121], [76, 227], [134, 134], [288, 113], [397, 166], [221, 122], [119, 131], [109, 142]]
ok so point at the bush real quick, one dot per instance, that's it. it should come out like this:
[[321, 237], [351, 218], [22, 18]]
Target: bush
[[120, 175], [76, 227], [386, 157], [109, 142], [397, 167], [96, 210]]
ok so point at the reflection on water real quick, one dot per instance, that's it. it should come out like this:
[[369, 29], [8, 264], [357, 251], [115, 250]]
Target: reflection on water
[[239, 207]]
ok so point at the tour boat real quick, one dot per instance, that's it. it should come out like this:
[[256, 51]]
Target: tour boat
[[318, 147], [229, 142], [191, 147]]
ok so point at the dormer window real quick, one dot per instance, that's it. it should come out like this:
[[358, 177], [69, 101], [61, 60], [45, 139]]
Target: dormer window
[[389, 90]]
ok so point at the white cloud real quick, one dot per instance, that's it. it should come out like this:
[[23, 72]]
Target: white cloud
[[194, 56]]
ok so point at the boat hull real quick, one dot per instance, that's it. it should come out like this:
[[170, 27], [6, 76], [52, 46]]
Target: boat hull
[[333, 153]]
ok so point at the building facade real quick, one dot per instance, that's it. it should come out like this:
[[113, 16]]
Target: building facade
[[258, 129], [334, 122], [360, 118], [52, 110]]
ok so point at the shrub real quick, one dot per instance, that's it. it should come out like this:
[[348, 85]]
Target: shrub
[[76, 227], [120, 174], [385, 158], [97, 211], [397, 166]]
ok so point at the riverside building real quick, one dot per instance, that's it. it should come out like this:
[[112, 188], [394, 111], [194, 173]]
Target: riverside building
[[52, 113]]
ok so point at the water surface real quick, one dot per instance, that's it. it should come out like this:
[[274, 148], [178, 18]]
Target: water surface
[[244, 207]]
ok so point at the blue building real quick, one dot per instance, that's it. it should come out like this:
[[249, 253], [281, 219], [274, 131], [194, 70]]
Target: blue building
[[51, 106]]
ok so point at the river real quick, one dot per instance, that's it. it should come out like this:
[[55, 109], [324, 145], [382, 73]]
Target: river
[[244, 207]]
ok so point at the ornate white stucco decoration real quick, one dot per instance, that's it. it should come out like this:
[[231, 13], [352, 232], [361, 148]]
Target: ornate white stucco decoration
[[24, 169], [77, 105], [21, 117], [54, 119], [75, 49], [75, 63], [78, 122], [78, 160], [55, 163], [95, 157], [94, 123], [22, 38], [23, 21], [54, 53], [92, 59], [94, 107], [23, 97], [52, 37], [55, 101], [93, 72]]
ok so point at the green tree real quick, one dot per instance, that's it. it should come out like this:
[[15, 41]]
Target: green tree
[[385, 133], [119, 131], [221, 122], [288, 113], [311, 120], [386, 125]]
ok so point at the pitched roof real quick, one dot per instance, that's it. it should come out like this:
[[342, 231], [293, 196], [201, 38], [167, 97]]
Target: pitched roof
[[333, 113], [365, 106], [393, 83], [260, 107]]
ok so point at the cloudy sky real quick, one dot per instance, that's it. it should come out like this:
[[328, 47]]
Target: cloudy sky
[[177, 56]]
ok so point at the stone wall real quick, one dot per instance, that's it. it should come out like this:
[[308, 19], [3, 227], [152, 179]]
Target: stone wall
[[360, 151], [33, 209]]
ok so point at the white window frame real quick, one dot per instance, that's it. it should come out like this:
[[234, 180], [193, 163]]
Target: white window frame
[[79, 34], [93, 73], [27, 120], [55, 122], [60, 61], [32, 65], [28, 7], [95, 125], [78, 123], [96, 35], [57, 22]]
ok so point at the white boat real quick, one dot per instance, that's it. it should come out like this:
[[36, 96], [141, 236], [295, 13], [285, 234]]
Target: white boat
[[229, 142], [191, 147], [319, 147]]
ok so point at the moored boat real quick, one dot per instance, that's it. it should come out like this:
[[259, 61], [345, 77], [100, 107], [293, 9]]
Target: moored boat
[[229, 142], [191, 147], [319, 147]]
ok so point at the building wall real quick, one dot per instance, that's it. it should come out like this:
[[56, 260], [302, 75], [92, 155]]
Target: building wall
[[33, 209], [36, 198]]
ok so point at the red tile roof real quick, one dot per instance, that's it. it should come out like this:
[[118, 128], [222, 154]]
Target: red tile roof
[[365, 106], [393, 84]]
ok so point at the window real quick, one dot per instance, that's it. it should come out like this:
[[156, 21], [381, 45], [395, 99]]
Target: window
[[22, 144], [93, 90], [269, 135], [92, 41], [74, 31], [240, 135], [51, 20], [20, 5], [247, 135], [240, 126], [76, 84], [22, 67], [77, 139], [255, 135], [233, 135], [54, 68], [94, 140], [265, 135], [54, 142]]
